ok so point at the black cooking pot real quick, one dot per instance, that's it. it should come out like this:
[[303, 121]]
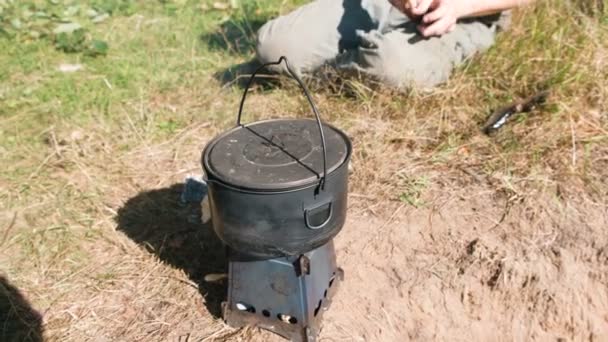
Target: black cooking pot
[[278, 187]]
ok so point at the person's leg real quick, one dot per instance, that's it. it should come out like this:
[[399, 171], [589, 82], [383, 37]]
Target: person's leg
[[319, 31], [400, 57]]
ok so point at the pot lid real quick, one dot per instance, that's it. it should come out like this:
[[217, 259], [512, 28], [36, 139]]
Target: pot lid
[[275, 154]]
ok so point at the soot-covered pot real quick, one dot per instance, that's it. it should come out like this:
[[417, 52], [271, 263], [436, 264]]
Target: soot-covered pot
[[278, 187]]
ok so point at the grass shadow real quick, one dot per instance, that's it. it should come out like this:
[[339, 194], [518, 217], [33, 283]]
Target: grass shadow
[[18, 320], [175, 233], [239, 74], [237, 37]]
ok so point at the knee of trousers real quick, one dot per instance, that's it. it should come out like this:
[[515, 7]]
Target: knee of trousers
[[407, 60], [402, 65]]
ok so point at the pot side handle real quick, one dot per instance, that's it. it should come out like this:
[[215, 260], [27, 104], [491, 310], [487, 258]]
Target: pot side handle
[[307, 213]]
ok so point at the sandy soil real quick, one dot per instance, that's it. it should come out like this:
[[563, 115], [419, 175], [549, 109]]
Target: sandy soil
[[467, 265], [466, 269], [452, 272]]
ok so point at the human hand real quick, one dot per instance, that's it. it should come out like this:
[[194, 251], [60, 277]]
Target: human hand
[[438, 16], [405, 6]]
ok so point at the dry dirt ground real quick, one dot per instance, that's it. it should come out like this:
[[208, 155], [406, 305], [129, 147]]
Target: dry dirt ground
[[455, 271], [462, 269], [469, 262]]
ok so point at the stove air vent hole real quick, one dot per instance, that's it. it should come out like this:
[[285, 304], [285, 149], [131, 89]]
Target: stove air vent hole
[[266, 313], [318, 308], [287, 319], [245, 307]]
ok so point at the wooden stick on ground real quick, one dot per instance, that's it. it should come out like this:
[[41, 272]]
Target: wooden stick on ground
[[499, 117]]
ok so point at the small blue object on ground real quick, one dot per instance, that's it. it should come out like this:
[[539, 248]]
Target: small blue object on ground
[[195, 189]]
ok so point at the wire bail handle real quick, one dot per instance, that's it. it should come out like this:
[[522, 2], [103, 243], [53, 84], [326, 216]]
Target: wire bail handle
[[308, 97]]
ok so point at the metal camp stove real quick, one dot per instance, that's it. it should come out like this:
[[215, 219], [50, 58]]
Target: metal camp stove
[[277, 198], [285, 295]]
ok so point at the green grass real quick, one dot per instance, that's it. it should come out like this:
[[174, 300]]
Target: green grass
[[163, 51]]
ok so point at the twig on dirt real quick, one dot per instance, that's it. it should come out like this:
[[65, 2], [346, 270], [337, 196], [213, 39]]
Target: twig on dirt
[[185, 281], [383, 226], [362, 196], [222, 331], [371, 210], [506, 212], [8, 229], [43, 164], [130, 121], [175, 140], [107, 83], [70, 313], [83, 170], [388, 319], [110, 210], [71, 275], [162, 180], [398, 277], [55, 143], [186, 339], [573, 143], [433, 272], [370, 207], [182, 134], [474, 175]]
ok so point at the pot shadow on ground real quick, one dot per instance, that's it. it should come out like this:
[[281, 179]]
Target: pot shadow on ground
[[18, 320], [175, 233]]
